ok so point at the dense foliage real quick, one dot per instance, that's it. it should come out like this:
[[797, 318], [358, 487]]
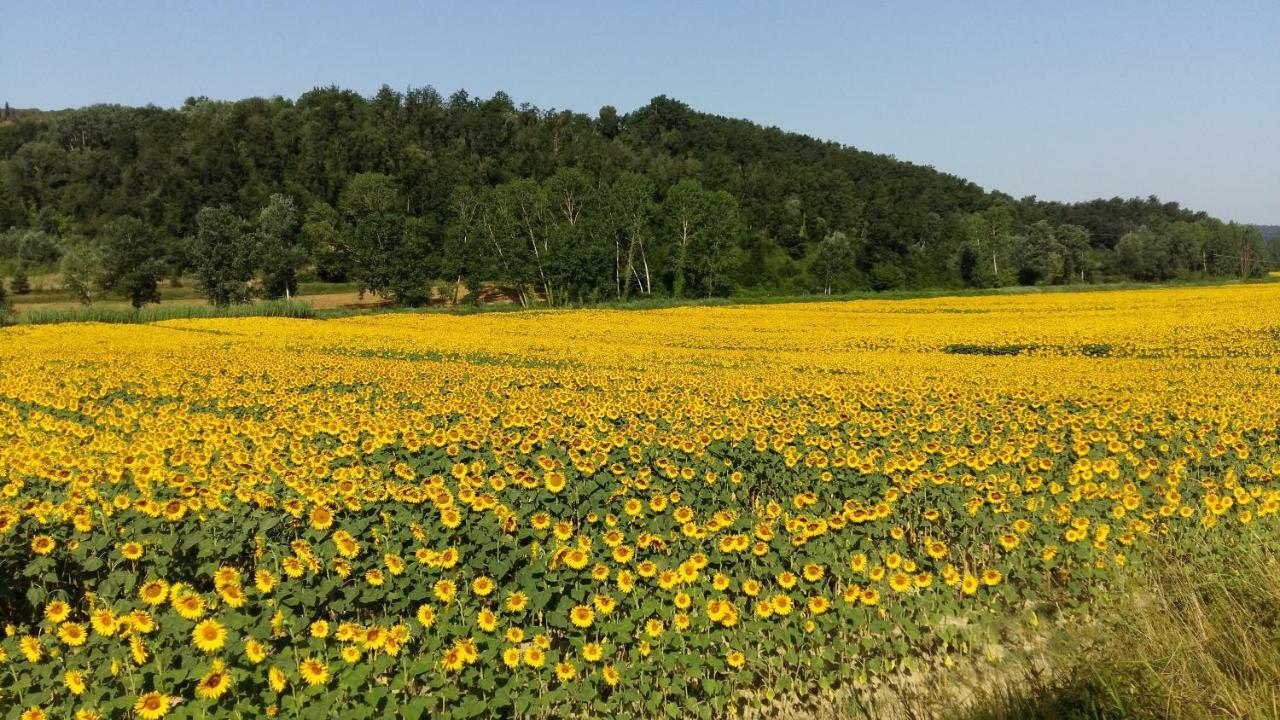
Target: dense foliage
[[621, 514], [400, 191]]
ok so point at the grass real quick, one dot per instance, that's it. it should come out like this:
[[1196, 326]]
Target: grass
[[747, 298], [59, 306], [1194, 636], [158, 313]]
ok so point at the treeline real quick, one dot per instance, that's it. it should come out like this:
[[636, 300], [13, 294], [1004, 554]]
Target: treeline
[[405, 192]]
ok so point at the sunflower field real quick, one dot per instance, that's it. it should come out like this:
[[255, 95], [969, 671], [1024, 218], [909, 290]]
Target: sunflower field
[[601, 513]]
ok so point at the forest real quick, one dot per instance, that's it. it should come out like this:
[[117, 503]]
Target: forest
[[413, 196]]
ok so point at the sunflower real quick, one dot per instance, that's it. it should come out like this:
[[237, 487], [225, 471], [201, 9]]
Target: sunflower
[[610, 675], [153, 592], [33, 713], [56, 611], [582, 616], [735, 659], [482, 586], [511, 657], [72, 634], [900, 582], [565, 671], [487, 620], [313, 671], [319, 629], [189, 605], [426, 615], [534, 656], [43, 544], [104, 622], [209, 635], [516, 602], [592, 651], [276, 679], [214, 683], [131, 550], [152, 706], [74, 681], [31, 648], [350, 653], [445, 590], [255, 651]]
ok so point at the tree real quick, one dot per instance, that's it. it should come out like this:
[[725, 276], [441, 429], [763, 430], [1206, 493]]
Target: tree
[[223, 254], [631, 203], [5, 309], [322, 238], [130, 260], [21, 284], [1039, 255], [1136, 254], [81, 267], [1074, 241], [833, 260], [278, 255], [391, 254]]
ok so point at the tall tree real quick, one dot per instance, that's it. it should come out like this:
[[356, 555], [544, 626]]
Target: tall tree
[[130, 260], [278, 254], [223, 253], [833, 260], [81, 266]]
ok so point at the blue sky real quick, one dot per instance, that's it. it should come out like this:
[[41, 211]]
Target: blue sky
[[1063, 100]]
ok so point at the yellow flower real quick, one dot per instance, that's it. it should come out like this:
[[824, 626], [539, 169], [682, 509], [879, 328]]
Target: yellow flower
[[592, 651], [152, 706], [276, 679], [214, 684], [56, 611], [72, 634], [74, 681], [209, 635], [565, 671], [313, 671], [255, 651], [482, 586], [516, 602], [735, 659], [582, 616], [426, 615], [42, 544], [154, 592]]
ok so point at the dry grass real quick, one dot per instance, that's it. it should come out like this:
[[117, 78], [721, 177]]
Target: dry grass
[[1192, 637]]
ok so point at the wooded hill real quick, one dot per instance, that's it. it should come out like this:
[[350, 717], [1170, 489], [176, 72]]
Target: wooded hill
[[403, 190]]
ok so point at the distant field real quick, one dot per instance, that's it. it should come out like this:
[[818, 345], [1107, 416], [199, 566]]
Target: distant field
[[685, 512]]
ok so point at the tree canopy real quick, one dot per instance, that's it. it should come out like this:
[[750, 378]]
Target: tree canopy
[[405, 190]]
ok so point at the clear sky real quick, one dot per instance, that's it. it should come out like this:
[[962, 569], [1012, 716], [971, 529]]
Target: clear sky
[[1066, 100]]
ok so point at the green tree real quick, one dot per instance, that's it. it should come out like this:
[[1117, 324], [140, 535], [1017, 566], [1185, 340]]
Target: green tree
[[278, 255], [20, 283], [223, 253], [1039, 255], [1074, 241], [131, 262], [391, 254], [833, 261], [322, 238], [5, 308], [81, 267]]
